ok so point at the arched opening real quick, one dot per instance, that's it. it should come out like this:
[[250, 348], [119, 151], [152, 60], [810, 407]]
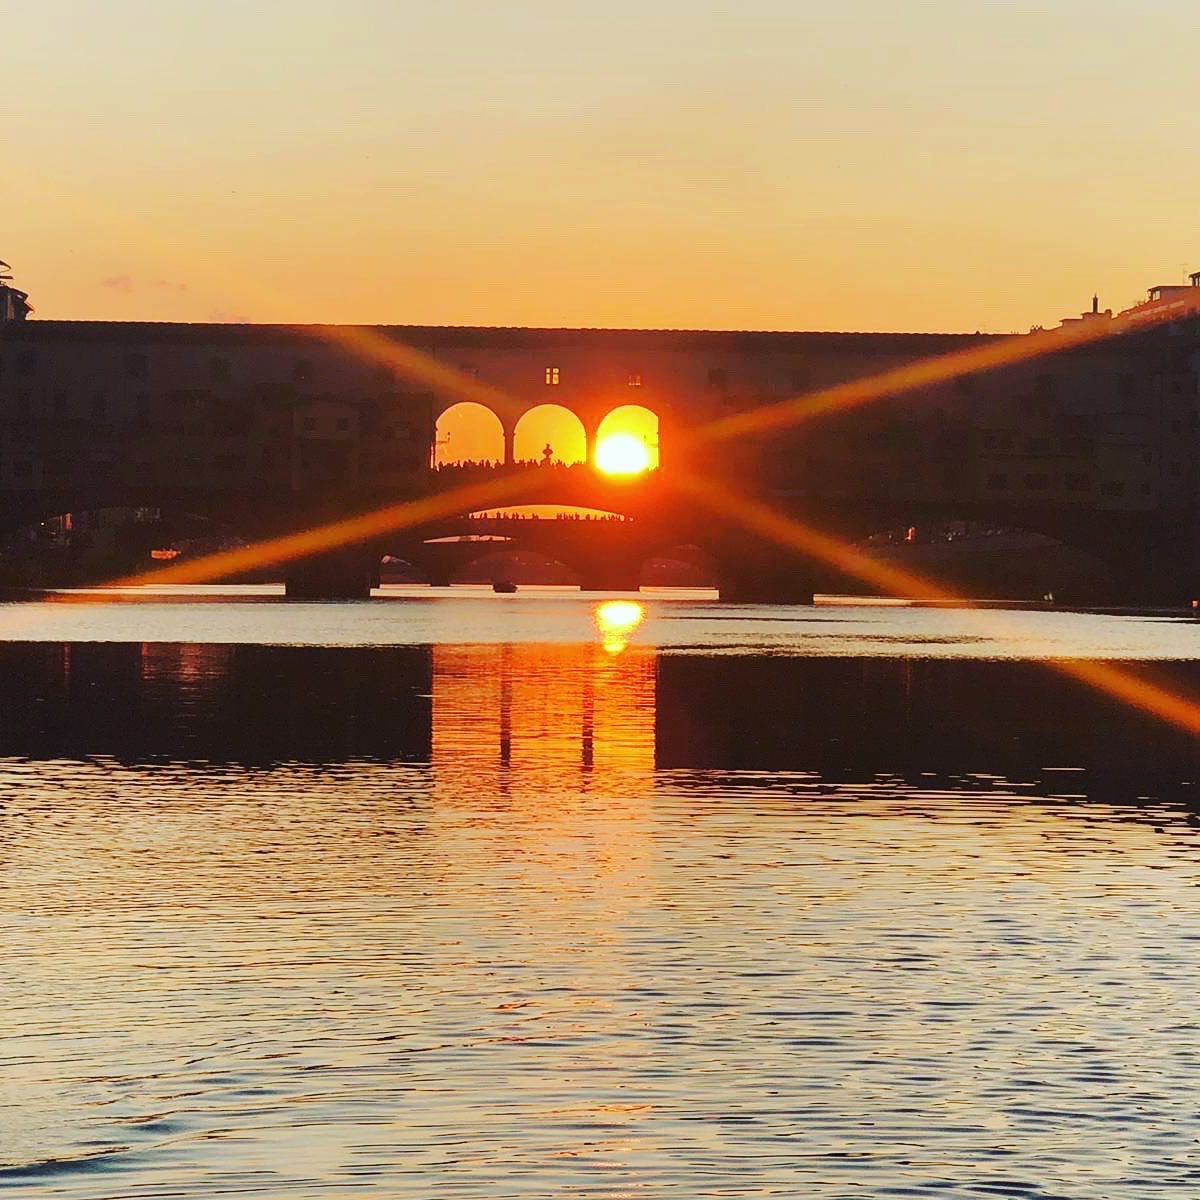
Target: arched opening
[[551, 434], [990, 560], [684, 566], [468, 434], [627, 441], [91, 546], [517, 565]]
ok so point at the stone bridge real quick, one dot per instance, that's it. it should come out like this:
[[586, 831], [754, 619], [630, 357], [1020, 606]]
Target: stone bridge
[[269, 429]]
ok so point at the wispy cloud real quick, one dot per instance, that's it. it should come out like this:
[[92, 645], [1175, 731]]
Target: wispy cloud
[[127, 283]]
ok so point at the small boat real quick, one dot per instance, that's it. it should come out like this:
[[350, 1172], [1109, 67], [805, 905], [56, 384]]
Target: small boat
[[504, 585]]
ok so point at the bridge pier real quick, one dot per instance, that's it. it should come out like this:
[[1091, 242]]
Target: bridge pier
[[765, 589], [344, 574], [1151, 561], [756, 574]]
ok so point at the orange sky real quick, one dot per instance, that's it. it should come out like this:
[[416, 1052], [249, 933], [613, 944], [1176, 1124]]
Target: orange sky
[[942, 164]]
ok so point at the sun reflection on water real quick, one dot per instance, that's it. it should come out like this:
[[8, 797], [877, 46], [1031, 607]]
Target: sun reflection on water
[[616, 620]]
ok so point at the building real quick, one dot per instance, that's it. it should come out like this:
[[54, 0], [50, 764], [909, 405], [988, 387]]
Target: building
[[141, 412], [1167, 304], [14, 304]]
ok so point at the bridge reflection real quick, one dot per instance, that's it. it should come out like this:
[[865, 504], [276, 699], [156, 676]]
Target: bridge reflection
[[549, 722]]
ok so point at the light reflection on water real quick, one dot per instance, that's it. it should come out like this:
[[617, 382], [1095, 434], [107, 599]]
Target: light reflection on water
[[674, 619], [541, 919]]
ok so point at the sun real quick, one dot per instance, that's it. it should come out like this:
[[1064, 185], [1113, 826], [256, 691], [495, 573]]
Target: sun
[[622, 454]]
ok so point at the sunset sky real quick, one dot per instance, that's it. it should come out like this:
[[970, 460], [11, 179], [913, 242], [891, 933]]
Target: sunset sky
[[934, 164]]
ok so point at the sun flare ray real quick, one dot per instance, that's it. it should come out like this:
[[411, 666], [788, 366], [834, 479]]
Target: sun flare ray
[[1176, 709]]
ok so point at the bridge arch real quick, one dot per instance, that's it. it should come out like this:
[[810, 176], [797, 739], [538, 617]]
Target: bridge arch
[[631, 420], [469, 432], [550, 425]]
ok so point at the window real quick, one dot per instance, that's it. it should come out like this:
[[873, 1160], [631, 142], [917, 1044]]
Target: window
[[1037, 483], [997, 482], [26, 363], [1147, 458], [22, 469], [633, 379], [22, 404], [309, 424], [718, 378], [1145, 489], [218, 370], [60, 404], [137, 366], [1176, 469], [799, 379], [99, 408], [552, 377], [303, 371], [143, 407], [343, 424], [1077, 483], [1112, 488]]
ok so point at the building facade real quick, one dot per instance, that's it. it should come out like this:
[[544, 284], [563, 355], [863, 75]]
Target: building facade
[[272, 416]]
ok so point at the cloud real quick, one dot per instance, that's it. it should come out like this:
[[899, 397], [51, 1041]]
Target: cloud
[[126, 283]]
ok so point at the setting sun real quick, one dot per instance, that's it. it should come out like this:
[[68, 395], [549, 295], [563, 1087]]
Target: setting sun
[[622, 454]]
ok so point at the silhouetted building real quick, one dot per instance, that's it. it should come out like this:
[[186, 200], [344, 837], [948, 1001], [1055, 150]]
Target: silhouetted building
[[244, 420], [1168, 303], [14, 304]]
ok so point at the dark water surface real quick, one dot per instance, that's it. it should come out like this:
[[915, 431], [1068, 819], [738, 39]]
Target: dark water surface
[[534, 897]]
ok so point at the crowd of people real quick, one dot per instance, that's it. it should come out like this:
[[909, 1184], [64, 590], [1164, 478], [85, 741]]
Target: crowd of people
[[475, 467], [495, 515]]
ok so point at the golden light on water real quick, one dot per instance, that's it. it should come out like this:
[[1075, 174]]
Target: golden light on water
[[622, 454], [616, 620]]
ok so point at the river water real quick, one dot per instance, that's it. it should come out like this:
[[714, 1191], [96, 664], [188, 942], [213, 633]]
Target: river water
[[545, 895]]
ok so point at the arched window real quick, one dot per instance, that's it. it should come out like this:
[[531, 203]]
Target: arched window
[[468, 433], [550, 425], [631, 420]]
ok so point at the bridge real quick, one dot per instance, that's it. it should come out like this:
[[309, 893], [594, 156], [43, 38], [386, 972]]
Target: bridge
[[267, 429]]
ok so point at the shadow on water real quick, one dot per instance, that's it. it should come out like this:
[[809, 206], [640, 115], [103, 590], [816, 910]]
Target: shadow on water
[[914, 717], [569, 716], [250, 704]]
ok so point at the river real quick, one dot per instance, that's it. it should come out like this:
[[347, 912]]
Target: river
[[550, 895]]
